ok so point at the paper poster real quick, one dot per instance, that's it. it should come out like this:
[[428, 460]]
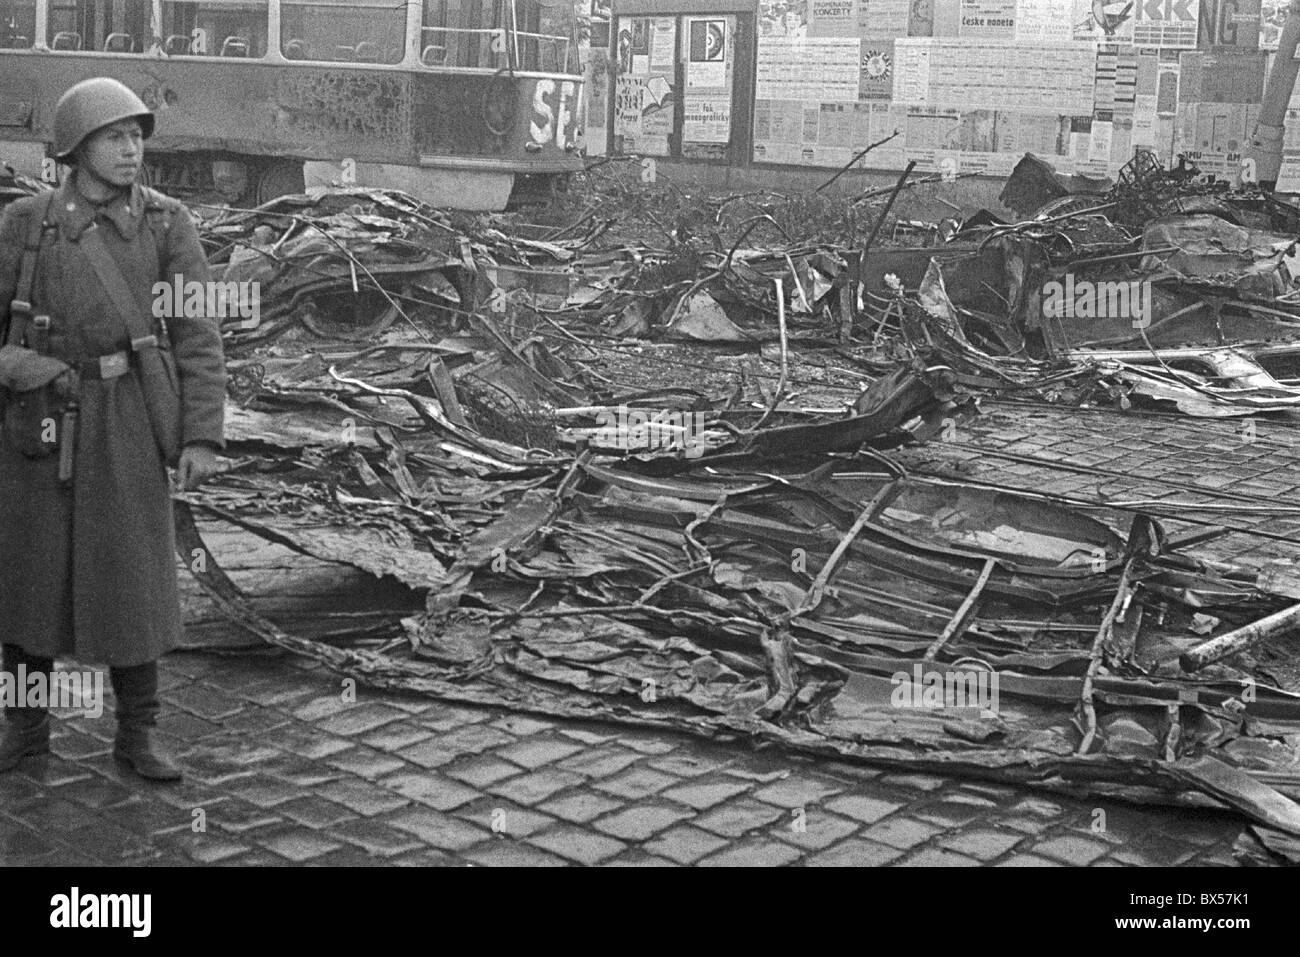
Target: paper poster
[[1107, 21], [1144, 120], [628, 93], [663, 44], [883, 19], [1044, 21], [825, 134], [832, 18], [912, 72], [1222, 76], [783, 19], [1167, 89], [644, 112], [1167, 24], [1229, 23], [1116, 79], [817, 70], [920, 20], [1048, 78], [1145, 101], [876, 73], [1272, 19], [946, 18], [623, 47], [1214, 135], [1103, 131], [706, 53], [993, 19], [706, 108], [1288, 178], [706, 119], [634, 46]]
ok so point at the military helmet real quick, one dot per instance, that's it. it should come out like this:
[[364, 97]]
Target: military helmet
[[91, 105]]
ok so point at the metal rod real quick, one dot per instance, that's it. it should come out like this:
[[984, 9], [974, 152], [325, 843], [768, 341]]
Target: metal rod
[[849, 165], [812, 598], [961, 619], [880, 220], [785, 355], [1094, 662], [1240, 639]]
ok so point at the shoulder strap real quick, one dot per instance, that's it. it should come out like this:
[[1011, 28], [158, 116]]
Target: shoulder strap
[[20, 310], [159, 213], [139, 327]]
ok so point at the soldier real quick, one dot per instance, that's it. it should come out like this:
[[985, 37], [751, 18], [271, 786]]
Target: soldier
[[87, 568]]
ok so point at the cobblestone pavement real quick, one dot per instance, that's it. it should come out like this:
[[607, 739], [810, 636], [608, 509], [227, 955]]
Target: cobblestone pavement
[[282, 770], [1100, 455]]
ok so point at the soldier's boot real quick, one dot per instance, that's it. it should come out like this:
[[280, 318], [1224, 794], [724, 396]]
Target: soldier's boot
[[27, 734], [27, 730], [137, 710]]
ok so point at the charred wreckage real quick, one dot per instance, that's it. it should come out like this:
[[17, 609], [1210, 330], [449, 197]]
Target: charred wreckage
[[447, 408]]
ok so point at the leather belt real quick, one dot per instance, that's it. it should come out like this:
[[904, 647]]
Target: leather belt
[[106, 367]]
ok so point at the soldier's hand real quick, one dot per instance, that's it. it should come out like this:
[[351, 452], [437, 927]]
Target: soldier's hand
[[198, 464]]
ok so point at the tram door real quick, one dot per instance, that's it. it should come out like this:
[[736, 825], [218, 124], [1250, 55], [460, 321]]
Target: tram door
[[682, 85]]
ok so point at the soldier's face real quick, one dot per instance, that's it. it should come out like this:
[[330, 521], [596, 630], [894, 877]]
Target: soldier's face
[[114, 153]]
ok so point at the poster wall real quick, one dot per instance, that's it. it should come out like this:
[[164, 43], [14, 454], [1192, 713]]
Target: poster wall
[[974, 84]]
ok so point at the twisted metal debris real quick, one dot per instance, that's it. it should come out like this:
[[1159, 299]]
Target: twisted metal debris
[[435, 402]]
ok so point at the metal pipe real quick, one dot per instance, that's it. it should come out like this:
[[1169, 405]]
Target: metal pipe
[[1240, 639], [1266, 142]]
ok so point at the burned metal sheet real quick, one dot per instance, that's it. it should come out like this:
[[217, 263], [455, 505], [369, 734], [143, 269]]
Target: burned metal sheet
[[691, 609]]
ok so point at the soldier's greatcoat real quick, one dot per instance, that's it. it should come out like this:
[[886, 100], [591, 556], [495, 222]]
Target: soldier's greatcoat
[[89, 571]]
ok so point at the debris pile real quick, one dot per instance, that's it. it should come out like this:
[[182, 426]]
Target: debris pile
[[444, 404], [606, 476], [1167, 288]]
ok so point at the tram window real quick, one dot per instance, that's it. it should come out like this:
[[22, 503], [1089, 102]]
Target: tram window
[[358, 31], [465, 33], [528, 23], [226, 28], [114, 26], [17, 24], [545, 37]]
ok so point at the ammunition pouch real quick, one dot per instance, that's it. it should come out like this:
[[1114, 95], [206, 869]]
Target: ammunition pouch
[[162, 397], [35, 391]]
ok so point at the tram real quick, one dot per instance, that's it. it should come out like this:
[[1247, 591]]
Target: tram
[[464, 103]]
